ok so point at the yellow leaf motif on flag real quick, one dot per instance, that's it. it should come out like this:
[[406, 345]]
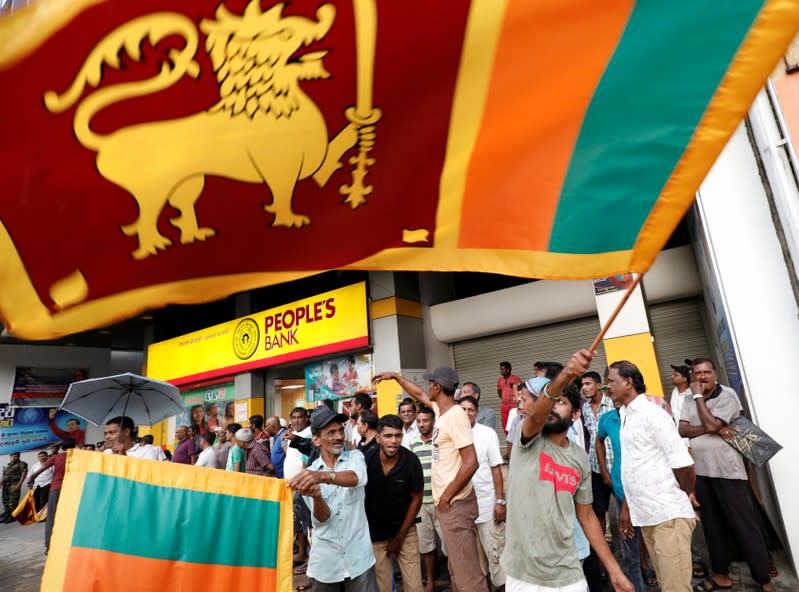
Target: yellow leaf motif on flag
[[264, 129]]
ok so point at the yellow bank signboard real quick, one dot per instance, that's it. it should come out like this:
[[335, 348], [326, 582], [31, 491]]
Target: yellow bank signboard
[[327, 323]]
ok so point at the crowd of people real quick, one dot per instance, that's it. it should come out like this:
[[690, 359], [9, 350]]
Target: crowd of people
[[383, 499]]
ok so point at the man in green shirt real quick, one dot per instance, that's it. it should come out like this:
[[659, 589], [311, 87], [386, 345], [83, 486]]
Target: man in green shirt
[[236, 460]]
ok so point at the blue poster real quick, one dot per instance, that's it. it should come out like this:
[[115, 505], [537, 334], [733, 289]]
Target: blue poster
[[32, 428]]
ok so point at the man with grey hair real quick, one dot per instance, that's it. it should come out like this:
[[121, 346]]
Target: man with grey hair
[[485, 415]]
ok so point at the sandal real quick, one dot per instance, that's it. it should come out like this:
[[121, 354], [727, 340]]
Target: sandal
[[709, 584], [650, 578], [303, 587], [699, 571], [300, 569]]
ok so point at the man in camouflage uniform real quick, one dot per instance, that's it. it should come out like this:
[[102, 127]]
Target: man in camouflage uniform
[[13, 477]]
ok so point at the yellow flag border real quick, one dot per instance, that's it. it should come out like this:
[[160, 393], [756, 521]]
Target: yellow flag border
[[162, 474]]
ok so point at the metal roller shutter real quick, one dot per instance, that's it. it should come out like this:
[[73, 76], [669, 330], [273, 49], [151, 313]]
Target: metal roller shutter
[[678, 328], [477, 360], [679, 331]]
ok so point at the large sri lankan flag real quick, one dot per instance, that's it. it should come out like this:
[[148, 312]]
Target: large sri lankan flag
[[164, 151], [140, 525]]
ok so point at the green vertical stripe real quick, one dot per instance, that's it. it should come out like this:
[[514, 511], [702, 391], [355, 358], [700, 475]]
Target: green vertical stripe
[[145, 520], [658, 84]]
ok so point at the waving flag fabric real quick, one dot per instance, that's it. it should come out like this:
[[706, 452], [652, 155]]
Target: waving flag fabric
[[161, 151], [146, 525]]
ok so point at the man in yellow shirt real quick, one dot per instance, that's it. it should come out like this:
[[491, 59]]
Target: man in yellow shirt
[[454, 463]]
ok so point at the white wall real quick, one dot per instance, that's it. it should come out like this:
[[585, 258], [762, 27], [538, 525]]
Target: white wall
[[760, 305], [551, 301]]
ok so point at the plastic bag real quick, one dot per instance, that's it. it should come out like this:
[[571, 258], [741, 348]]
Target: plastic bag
[[752, 442]]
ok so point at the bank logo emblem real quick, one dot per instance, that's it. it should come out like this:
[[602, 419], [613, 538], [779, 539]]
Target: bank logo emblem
[[246, 338]]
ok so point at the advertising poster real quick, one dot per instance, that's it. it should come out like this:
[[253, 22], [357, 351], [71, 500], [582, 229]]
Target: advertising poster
[[337, 378], [44, 387], [31, 429], [614, 283], [208, 408]]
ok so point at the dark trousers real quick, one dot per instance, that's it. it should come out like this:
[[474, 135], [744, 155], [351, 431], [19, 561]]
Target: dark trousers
[[728, 511], [52, 505], [366, 582], [40, 495]]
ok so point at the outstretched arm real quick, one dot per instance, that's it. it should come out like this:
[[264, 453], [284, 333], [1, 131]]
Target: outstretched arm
[[410, 387], [538, 410]]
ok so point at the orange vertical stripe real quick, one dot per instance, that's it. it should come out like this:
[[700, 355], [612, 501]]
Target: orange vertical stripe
[[104, 571], [550, 58]]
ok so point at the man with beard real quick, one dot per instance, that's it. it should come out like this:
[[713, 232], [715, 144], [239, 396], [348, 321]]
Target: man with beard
[[341, 557], [722, 486], [393, 498], [657, 475], [549, 482]]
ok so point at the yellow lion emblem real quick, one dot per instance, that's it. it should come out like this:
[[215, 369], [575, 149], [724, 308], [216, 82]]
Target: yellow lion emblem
[[264, 129]]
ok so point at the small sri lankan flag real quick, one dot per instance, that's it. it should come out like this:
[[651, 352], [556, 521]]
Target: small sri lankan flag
[[133, 524], [165, 151]]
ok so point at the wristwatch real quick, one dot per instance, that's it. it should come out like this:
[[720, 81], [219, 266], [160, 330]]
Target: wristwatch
[[697, 396], [501, 502]]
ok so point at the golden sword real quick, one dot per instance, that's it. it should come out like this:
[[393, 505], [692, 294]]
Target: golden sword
[[363, 114]]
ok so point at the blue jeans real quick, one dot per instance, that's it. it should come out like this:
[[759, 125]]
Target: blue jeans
[[631, 556]]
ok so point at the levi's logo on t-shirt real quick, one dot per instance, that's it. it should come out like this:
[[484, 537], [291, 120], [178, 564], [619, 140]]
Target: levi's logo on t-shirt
[[564, 478]]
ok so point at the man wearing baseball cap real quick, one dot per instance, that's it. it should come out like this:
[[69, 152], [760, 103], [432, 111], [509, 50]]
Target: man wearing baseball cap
[[454, 464], [332, 486]]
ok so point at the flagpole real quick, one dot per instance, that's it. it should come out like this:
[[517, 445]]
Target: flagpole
[[615, 312]]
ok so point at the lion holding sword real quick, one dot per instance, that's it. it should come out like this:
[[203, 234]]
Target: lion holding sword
[[264, 128]]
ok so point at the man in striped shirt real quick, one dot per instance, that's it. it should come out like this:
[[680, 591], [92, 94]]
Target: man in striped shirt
[[422, 446]]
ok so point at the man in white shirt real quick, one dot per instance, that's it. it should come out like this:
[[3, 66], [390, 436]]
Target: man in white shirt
[[658, 476], [490, 490], [207, 457], [41, 485], [407, 413], [146, 449]]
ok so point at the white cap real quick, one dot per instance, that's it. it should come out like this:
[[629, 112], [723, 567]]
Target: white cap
[[244, 435]]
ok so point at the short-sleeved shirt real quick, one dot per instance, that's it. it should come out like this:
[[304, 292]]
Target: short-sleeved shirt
[[712, 455], [236, 456], [545, 480], [424, 452], [184, 451], [486, 445], [207, 458], [388, 496], [452, 432], [609, 429], [505, 386], [341, 545]]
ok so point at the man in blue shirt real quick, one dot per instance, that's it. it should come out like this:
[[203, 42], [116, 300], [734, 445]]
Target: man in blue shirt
[[609, 426], [276, 431], [341, 556]]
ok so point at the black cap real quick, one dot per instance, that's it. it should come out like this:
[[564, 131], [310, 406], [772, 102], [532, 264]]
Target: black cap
[[444, 376], [324, 415], [688, 362], [684, 370]]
